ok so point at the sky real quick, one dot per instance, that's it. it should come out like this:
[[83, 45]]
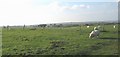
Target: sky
[[30, 12]]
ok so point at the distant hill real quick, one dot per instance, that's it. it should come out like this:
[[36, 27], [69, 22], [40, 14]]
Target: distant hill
[[74, 23], [82, 23]]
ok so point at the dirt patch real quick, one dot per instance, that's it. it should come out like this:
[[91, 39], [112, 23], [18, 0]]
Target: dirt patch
[[97, 46], [106, 38], [104, 31], [56, 43]]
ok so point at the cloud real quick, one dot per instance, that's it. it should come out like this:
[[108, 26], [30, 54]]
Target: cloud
[[89, 0], [24, 12], [76, 7], [20, 12], [84, 6], [118, 1]]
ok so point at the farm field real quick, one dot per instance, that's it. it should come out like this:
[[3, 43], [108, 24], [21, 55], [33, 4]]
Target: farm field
[[59, 41]]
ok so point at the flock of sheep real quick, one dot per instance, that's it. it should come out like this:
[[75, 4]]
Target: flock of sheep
[[93, 34], [96, 32]]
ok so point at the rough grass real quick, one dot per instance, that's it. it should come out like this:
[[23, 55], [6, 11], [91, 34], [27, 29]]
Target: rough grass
[[59, 41]]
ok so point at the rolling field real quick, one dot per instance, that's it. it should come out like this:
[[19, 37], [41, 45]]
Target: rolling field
[[59, 41]]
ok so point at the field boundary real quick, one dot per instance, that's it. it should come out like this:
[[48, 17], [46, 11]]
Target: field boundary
[[60, 56]]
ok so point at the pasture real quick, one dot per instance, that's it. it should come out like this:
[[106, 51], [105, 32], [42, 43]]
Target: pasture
[[59, 41]]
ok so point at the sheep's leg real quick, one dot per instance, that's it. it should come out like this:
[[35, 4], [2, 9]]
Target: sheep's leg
[[91, 36], [98, 36]]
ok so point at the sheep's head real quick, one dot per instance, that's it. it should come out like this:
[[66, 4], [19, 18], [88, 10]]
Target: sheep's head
[[95, 28]]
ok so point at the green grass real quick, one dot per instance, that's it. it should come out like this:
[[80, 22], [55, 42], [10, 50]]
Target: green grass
[[59, 41]]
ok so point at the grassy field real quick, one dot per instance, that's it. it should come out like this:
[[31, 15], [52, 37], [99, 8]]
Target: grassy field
[[59, 41]]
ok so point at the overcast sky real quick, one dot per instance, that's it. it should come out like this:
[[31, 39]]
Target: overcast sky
[[20, 12]]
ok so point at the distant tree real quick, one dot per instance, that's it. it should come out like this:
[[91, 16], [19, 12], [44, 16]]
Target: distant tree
[[24, 26], [87, 24], [4, 27], [54, 24], [61, 25], [8, 27], [42, 25]]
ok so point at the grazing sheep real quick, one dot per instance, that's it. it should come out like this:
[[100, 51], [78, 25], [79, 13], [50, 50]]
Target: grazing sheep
[[24, 27], [88, 26], [114, 26], [99, 27], [95, 28], [94, 33], [8, 27]]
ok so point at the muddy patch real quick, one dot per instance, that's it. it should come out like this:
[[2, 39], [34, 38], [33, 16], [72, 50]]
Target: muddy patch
[[57, 43], [104, 31], [97, 46], [108, 38]]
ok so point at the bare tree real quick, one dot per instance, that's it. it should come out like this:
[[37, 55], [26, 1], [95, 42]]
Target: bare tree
[[8, 27], [24, 26]]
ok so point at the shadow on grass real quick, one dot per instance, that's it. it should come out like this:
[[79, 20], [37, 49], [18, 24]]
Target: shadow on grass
[[106, 38], [97, 46], [118, 31], [104, 31]]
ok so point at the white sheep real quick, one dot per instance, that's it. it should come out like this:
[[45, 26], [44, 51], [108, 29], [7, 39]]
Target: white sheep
[[114, 26], [88, 26], [99, 27], [94, 33], [9, 28], [95, 28]]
